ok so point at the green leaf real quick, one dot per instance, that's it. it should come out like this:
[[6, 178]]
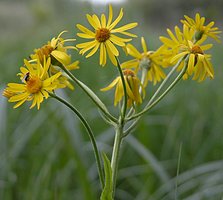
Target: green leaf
[[107, 191]]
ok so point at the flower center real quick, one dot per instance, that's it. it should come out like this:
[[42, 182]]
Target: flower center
[[102, 34], [44, 51], [145, 63], [128, 72], [196, 50], [33, 84]]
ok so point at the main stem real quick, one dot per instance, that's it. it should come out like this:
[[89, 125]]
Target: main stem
[[115, 154]]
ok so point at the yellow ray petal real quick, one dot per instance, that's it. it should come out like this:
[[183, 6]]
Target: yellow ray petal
[[73, 65], [143, 42], [97, 21], [19, 103], [62, 57], [101, 54], [111, 55], [93, 50], [116, 41], [128, 34], [92, 22], [19, 97], [113, 24], [110, 16], [84, 35], [86, 44], [190, 68], [124, 28], [111, 85], [112, 48], [103, 21], [85, 30], [133, 51]]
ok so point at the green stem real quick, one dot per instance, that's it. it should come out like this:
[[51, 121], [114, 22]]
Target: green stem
[[152, 104], [124, 107], [115, 154], [164, 81], [90, 134], [90, 93]]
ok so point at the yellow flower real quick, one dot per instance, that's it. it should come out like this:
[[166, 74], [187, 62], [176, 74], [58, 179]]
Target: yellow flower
[[103, 36], [149, 60], [6, 93], [198, 62], [37, 84], [173, 43], [132, 86], [56, 50], [63, 80], [198, 25]]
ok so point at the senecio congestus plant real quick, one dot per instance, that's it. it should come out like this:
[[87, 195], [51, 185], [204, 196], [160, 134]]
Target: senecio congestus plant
[[182, 53]]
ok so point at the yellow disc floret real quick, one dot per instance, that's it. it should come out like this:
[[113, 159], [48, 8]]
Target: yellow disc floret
[[44, 51], [102, 34], [34, 84], [197, 50]]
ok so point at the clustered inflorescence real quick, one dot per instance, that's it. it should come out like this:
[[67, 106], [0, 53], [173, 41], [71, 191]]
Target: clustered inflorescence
[[43, 72]]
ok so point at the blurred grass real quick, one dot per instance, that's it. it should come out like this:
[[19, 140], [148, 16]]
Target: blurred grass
[[47, 154]]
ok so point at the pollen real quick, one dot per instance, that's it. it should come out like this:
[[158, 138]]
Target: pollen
[[34, 84], [102, 34], [44, 51], [128, 72], [197, 50]]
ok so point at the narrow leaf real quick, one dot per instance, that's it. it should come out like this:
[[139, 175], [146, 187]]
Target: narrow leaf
[[107, 191]]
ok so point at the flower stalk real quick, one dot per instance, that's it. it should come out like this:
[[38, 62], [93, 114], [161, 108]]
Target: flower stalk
[[90, 93], [90, 134], [125, 102], [151, 102]]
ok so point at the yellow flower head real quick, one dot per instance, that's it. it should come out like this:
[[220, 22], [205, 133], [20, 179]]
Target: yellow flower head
[[197, 24], [198, 62], [103, 36], [56, 50], [149, 60], [36, 84], [132, 86], [174, 41]]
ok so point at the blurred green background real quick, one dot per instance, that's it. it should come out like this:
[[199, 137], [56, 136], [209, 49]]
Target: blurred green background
[[47, 155]]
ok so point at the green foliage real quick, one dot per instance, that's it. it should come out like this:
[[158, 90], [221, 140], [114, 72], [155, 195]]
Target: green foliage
[[107, 191]]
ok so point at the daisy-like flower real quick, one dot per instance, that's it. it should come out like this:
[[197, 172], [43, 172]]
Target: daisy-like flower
[[175, 40], [103, 36], [198, 62], [57, 51], [149, 60], [197, 24], [36, 84], [132, 86]]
